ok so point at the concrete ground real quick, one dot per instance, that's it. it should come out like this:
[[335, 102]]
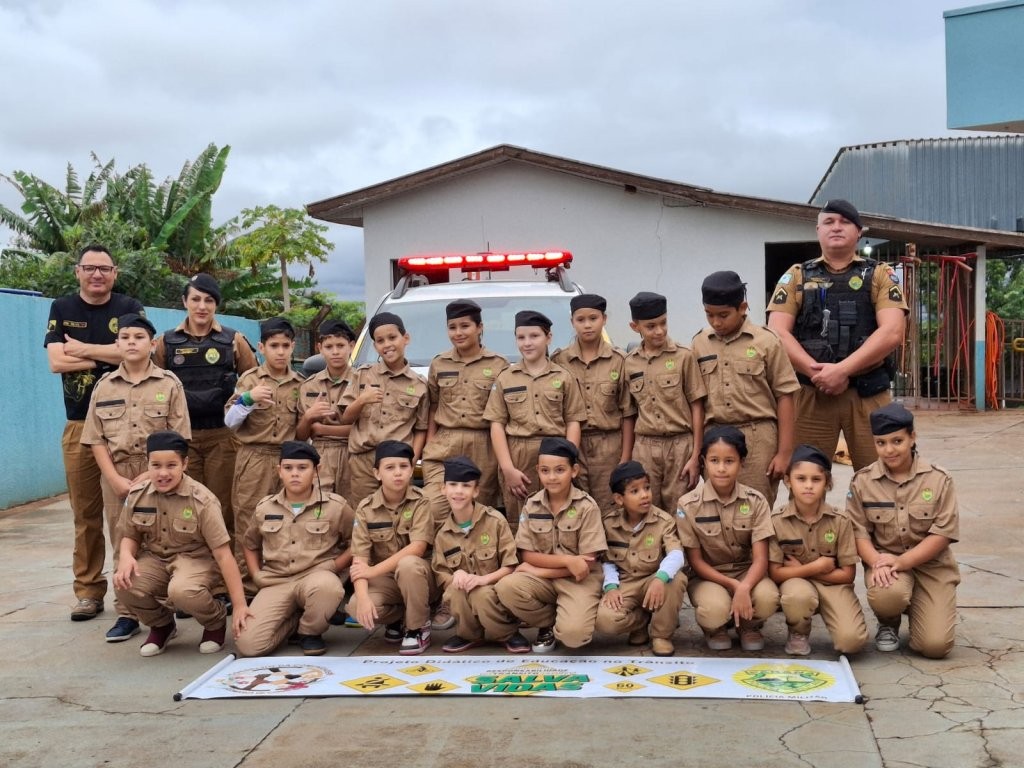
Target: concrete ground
[[68, 699]]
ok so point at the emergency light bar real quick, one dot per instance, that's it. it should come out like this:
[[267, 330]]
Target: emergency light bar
[[481, 261]]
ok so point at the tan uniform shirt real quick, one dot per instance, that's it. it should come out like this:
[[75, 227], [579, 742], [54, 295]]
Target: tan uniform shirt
[[187, 519], [244, 356], [663, 385], [322, 384], [122, 414], [575, 529], [535, 406], [379, 531], [789, 291], [725, 530], [638, 553], [404, 410], [273, 423], [603, 381], [829, 534], [744, 374], [897, 516], [459, 388], [293, 544], [481, 549]]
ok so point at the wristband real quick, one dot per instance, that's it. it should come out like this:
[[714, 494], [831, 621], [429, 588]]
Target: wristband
[[610, 587], [662, 577], [247, 400]]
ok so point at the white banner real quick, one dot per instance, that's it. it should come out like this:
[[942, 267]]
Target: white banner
[[562, 676]]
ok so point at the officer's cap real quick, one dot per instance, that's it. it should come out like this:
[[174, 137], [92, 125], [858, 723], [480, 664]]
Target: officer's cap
[[891, 418], [845, 209], [296, 449], [274, 326], [531, 317], [559, 446], [460, 469], [622, 474], [205, 283], [392, 449], [332, 327], [135, 320], [647, 306], [461, 308], [813, 454], [723, 289], [385, 318], [167, 440], [588, 301]]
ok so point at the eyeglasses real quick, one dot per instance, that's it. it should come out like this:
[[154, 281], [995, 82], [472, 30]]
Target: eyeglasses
[[90, 269]]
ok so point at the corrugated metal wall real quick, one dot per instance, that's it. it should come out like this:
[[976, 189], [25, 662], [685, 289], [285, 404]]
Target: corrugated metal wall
[[974, 182]]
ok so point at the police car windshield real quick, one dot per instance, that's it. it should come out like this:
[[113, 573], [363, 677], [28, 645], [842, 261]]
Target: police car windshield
[[425, 321]]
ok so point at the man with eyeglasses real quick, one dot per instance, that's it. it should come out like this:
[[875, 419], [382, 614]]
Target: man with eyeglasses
[[80, 336]]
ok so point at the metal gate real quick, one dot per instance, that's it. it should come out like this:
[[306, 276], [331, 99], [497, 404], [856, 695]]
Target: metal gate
[[1008, 335]]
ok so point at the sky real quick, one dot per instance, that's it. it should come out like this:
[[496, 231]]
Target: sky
[[321, 98]]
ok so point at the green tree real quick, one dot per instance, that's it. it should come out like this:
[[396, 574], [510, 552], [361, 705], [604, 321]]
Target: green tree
[[1004, 287], [282, 237]]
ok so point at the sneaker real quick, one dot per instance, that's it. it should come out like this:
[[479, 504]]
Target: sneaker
[[443, 619], [798, 645], [662, 646], [639, 637], [751, 639], [458, 644], [223, 598], [887, 639], [415, 641], [517, 644], [312, 645], [123, 629], [86, 608], [718, 641], [351, 622], [213, 640], [394, 633], [545, 642], [338, 619], [156, 641]]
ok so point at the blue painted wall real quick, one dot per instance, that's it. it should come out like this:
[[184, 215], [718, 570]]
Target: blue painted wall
[[32, 411], [983, 67]]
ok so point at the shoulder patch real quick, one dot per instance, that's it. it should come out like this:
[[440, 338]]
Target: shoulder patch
[[780, 296]]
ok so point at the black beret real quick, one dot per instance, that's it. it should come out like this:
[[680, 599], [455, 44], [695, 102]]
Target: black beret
[[461, 308], [166, 440], [722, 289], [460, 469], [205, 283], [647, 306], [727, 434], [392, 449], [532, 317], [559, 446], [805, 452], [135, 320], [274, 326], [385, 318], [332, 327], [845, 209], [296, 449], [622, 474], [891, 418], [588, 301]]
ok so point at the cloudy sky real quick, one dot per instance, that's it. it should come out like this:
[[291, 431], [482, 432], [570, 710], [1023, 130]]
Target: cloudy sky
[[320, 98]]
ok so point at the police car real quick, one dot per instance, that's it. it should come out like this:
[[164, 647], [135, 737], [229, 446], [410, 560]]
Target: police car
[[498, 282]]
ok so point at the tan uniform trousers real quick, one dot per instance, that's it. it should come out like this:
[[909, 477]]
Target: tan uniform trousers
[[633, 617], [479, 614], [762, 441], [524, 452], [712, 603], [304, 605], [403, 596], [211, 461], [84, 493], [820, 417], [600, 453], [664, 459], [362, 481], [928, 595], [839, 608], [130, 468], [474, 443], [256, 476], [567, 605], [183, 582], [333, 467]]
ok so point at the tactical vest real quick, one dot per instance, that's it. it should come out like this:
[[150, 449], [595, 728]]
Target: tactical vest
[[836, 313], [207, 371]]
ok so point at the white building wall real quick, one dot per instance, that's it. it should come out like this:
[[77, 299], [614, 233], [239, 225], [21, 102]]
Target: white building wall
[[622, 242]]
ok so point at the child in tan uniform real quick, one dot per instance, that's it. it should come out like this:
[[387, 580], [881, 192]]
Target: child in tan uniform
[[474, 550], [127, 405], [813, 558], [175, 549], [296, 546]]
